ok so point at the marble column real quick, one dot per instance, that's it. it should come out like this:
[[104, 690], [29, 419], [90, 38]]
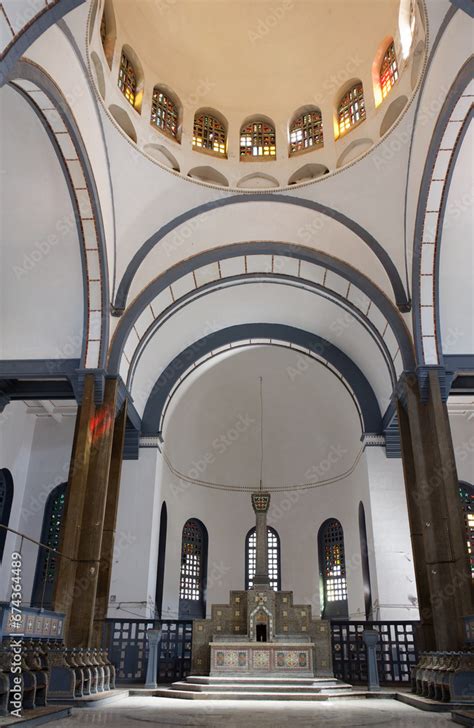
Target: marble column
[[91, 529], [77, 481], [426, 636], [436, 517], [261, 503], [110, 521]]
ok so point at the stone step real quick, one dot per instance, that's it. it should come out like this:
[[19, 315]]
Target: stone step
[[230, 695], [333, 687], [259, 680]]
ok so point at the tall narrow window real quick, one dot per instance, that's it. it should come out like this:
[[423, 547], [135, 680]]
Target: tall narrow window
[[388, 70], [47, 561], [351, 108], [164, 113], [160, 575], [127, 79], [332, 565], [209, 134], [364, 553], [306, 132], [257, 139], [466, 493], [274, 565], [192, 601], [6, 499]]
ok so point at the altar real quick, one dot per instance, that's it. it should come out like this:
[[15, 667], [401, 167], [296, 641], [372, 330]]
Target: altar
[[261, 658], [261, 632]]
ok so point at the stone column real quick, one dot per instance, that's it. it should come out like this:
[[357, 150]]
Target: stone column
[[436, 517], [70, 533], [91, 528], [261, 503], [110, 521]]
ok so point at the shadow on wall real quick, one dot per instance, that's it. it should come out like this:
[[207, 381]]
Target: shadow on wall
[[208, 174], [308, 172], [392, 114], [258, 180], [354, 150], [162, 155], [99, 73], [123, 120]]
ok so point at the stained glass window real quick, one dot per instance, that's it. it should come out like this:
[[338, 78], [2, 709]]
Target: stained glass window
[[209, 134], [127, 80], [164, 113], [388, 70], [193, 569], [333, 568], [306, 131], [466, 493], [274, 568], [47, 562], [351, 108], [6, 498], [257, 139]]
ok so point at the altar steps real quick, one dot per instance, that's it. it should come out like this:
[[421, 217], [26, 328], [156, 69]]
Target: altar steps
[[254, 688]]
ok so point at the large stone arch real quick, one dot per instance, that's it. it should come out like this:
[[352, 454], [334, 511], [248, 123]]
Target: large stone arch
[[364, 394], [34, 85]]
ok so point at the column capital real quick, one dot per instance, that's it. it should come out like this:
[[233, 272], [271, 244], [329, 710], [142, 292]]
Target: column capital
[[261, 502]]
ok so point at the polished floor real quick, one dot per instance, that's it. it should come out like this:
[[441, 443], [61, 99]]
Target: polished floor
[[168, 713]]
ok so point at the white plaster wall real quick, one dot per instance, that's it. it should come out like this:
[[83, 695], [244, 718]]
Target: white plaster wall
[[461, 420], [453, 50], [133, 581], [42, 450], [41, 296], [456, 293], [394, 593], [53, 52]]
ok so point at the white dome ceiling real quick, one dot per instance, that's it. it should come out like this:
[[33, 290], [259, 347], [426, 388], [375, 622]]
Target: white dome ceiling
[[307, 414], [260, 57]]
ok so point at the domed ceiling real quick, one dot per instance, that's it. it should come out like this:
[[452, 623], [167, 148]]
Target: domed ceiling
[[252, 57]]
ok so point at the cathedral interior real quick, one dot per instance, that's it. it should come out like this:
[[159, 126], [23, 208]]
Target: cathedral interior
[[236, 363]]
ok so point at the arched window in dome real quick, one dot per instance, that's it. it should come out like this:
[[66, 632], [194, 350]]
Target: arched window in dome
[[127, 79], [47, 561], [274, 562], [193, 575], [164, 113], [332, 565], [6, 500], [388, 70], [257, 140], [306, 131], [209, 134], [466, 493], [351, 109]]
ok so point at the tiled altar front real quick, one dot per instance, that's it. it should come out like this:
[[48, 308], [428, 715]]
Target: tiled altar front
[[293, 643], [261, 658]]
